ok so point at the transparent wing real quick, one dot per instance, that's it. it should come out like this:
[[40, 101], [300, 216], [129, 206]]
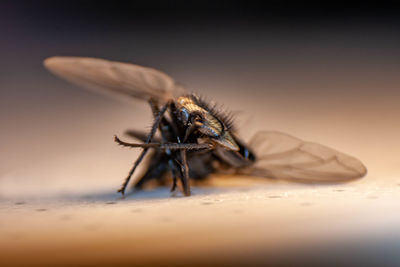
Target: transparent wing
[[282, 156], [118, 78]]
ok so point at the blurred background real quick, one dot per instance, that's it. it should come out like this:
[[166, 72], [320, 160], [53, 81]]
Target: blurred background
[[326, 72]]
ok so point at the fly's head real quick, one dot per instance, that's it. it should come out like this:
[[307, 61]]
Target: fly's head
[[193, 114]]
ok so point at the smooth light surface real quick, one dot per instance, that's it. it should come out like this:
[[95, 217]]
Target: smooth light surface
[[253, 221]]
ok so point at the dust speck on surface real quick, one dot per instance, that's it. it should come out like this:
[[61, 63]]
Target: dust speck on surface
[[41, 210], [274, 196], [206, 203], [338, 190], [111, 202], [20, 203]]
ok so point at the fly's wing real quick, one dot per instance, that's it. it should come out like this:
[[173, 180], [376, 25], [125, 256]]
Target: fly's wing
[[115, 78], [279, 155]]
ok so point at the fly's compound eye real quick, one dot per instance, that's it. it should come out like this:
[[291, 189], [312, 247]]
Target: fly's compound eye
[[185, 115]]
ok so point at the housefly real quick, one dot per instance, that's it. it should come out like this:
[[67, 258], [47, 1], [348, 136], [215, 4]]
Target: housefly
[[194, 138]]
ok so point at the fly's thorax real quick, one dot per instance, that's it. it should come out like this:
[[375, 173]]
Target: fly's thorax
[[187, 109], [192, 113], [206, 123]]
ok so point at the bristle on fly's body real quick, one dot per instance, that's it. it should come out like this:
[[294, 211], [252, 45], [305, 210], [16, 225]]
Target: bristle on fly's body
[[215, 110]]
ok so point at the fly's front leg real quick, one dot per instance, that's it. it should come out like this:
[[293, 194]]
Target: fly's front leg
[[166, 146], [184, 165], [185, 173], [172, 167], [154, 128], [167, 130], [140, 135], [183, 148]]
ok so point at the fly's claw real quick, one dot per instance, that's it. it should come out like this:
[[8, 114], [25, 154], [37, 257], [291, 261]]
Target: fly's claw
[[117, 140], [120, 142]]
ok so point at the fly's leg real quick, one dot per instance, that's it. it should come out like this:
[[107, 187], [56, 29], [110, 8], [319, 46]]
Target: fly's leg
[[184, 165], [143, 153], [185, 173], [157, 169], [168, 131], [173, 172], [172, 131], [183, 147], [166, 146], [140, 135], [164, 127]]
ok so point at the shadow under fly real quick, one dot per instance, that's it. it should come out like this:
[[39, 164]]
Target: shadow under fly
[[196, 139]]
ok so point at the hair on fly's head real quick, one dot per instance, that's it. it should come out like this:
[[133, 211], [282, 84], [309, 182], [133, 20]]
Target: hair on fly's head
[[219, 112]]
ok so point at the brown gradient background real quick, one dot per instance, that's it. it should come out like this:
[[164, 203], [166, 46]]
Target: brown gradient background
[[329, 74]]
